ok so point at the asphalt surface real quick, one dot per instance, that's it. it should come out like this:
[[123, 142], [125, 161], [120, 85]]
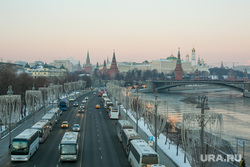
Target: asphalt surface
[[98, 144]]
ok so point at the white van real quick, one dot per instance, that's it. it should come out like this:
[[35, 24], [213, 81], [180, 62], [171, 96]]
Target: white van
[[105, 101], [113, 113], [104, 95], [123, 124]]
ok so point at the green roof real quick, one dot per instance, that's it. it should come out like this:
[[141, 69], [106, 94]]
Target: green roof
[[27, 65]]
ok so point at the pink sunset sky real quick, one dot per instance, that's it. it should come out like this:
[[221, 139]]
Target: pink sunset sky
[[138, 30]]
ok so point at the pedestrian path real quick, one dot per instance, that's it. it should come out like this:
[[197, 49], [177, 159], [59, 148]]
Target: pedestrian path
[[167, 152]]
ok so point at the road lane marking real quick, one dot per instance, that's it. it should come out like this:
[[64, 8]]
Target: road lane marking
[[100, 148], [58, 162], [101, 157]]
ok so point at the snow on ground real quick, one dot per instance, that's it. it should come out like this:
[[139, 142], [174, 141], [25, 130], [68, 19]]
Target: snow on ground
[[169, 151]]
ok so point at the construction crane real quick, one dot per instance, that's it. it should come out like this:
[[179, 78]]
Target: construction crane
[[231, 62]]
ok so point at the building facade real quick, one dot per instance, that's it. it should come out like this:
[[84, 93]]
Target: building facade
[[66, 63], [45, 70]]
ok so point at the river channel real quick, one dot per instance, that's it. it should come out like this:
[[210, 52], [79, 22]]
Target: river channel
[[230, 103]]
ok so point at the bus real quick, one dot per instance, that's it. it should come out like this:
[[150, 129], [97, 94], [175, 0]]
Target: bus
[[113, 113], [104, 95], [24, 145], [69, 146], [63, 105], [105, 101], [141, 154], [155, 165], [108, 105], [122, 124], [51, 118], [43, 129], [57, 112], [127, 136], [72, 98]]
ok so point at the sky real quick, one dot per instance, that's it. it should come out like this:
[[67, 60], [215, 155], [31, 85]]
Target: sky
[[138, 30]]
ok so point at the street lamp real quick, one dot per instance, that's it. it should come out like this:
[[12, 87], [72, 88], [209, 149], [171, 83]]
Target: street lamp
[[156, 91], [137, 117], [9, 93], [30, 96], [203, 105], [127, 94], [33, 88], [44, 90]]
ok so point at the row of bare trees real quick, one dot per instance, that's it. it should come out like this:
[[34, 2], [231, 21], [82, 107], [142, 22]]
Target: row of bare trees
[[21, 82]]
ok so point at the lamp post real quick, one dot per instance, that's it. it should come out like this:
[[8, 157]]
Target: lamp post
[[9, 93], [127, 98], [30, 96], [43, 90], [203, 105], [33, 117], [136, 88], [126, 103], [156, 120]]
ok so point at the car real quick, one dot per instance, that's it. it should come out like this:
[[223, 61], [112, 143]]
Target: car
[[86, 98], [81, 110], [97, 106], [99, 95], [82, 106], [76, 128], [84, 101], [65, 124], [75, 104], [94, 93]]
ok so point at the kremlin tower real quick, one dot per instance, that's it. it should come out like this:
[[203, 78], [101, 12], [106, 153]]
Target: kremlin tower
[[245, 75], [178, 68], [88, 66], [113, 68], [193, 59]]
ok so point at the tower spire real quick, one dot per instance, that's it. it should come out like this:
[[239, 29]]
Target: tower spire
[[113, 60], [178, 68]]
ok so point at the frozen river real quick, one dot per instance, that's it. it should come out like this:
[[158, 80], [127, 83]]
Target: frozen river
[[230, 103]]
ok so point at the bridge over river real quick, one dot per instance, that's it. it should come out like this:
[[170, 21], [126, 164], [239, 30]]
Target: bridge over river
[[163, 85]]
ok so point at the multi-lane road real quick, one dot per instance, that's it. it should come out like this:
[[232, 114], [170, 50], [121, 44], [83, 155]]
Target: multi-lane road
[[98, 144]]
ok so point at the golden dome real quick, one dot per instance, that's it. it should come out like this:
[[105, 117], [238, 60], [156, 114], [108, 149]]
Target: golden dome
[[187, 55], [193, 50]]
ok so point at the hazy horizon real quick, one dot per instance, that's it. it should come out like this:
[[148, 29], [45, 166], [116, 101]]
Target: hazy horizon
[[138, 30]]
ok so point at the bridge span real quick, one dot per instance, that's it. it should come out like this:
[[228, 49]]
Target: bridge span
[[163, 85]]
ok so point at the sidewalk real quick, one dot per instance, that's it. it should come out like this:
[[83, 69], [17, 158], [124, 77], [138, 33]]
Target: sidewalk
[[167, 155]]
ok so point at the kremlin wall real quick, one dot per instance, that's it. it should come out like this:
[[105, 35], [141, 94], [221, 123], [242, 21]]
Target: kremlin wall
[[167, 65]]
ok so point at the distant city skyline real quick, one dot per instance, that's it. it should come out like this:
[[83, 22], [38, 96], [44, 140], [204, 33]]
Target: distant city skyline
[[138, 30]]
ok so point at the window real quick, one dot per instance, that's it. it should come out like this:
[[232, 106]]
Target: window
[[135, 153], [150, 159]]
